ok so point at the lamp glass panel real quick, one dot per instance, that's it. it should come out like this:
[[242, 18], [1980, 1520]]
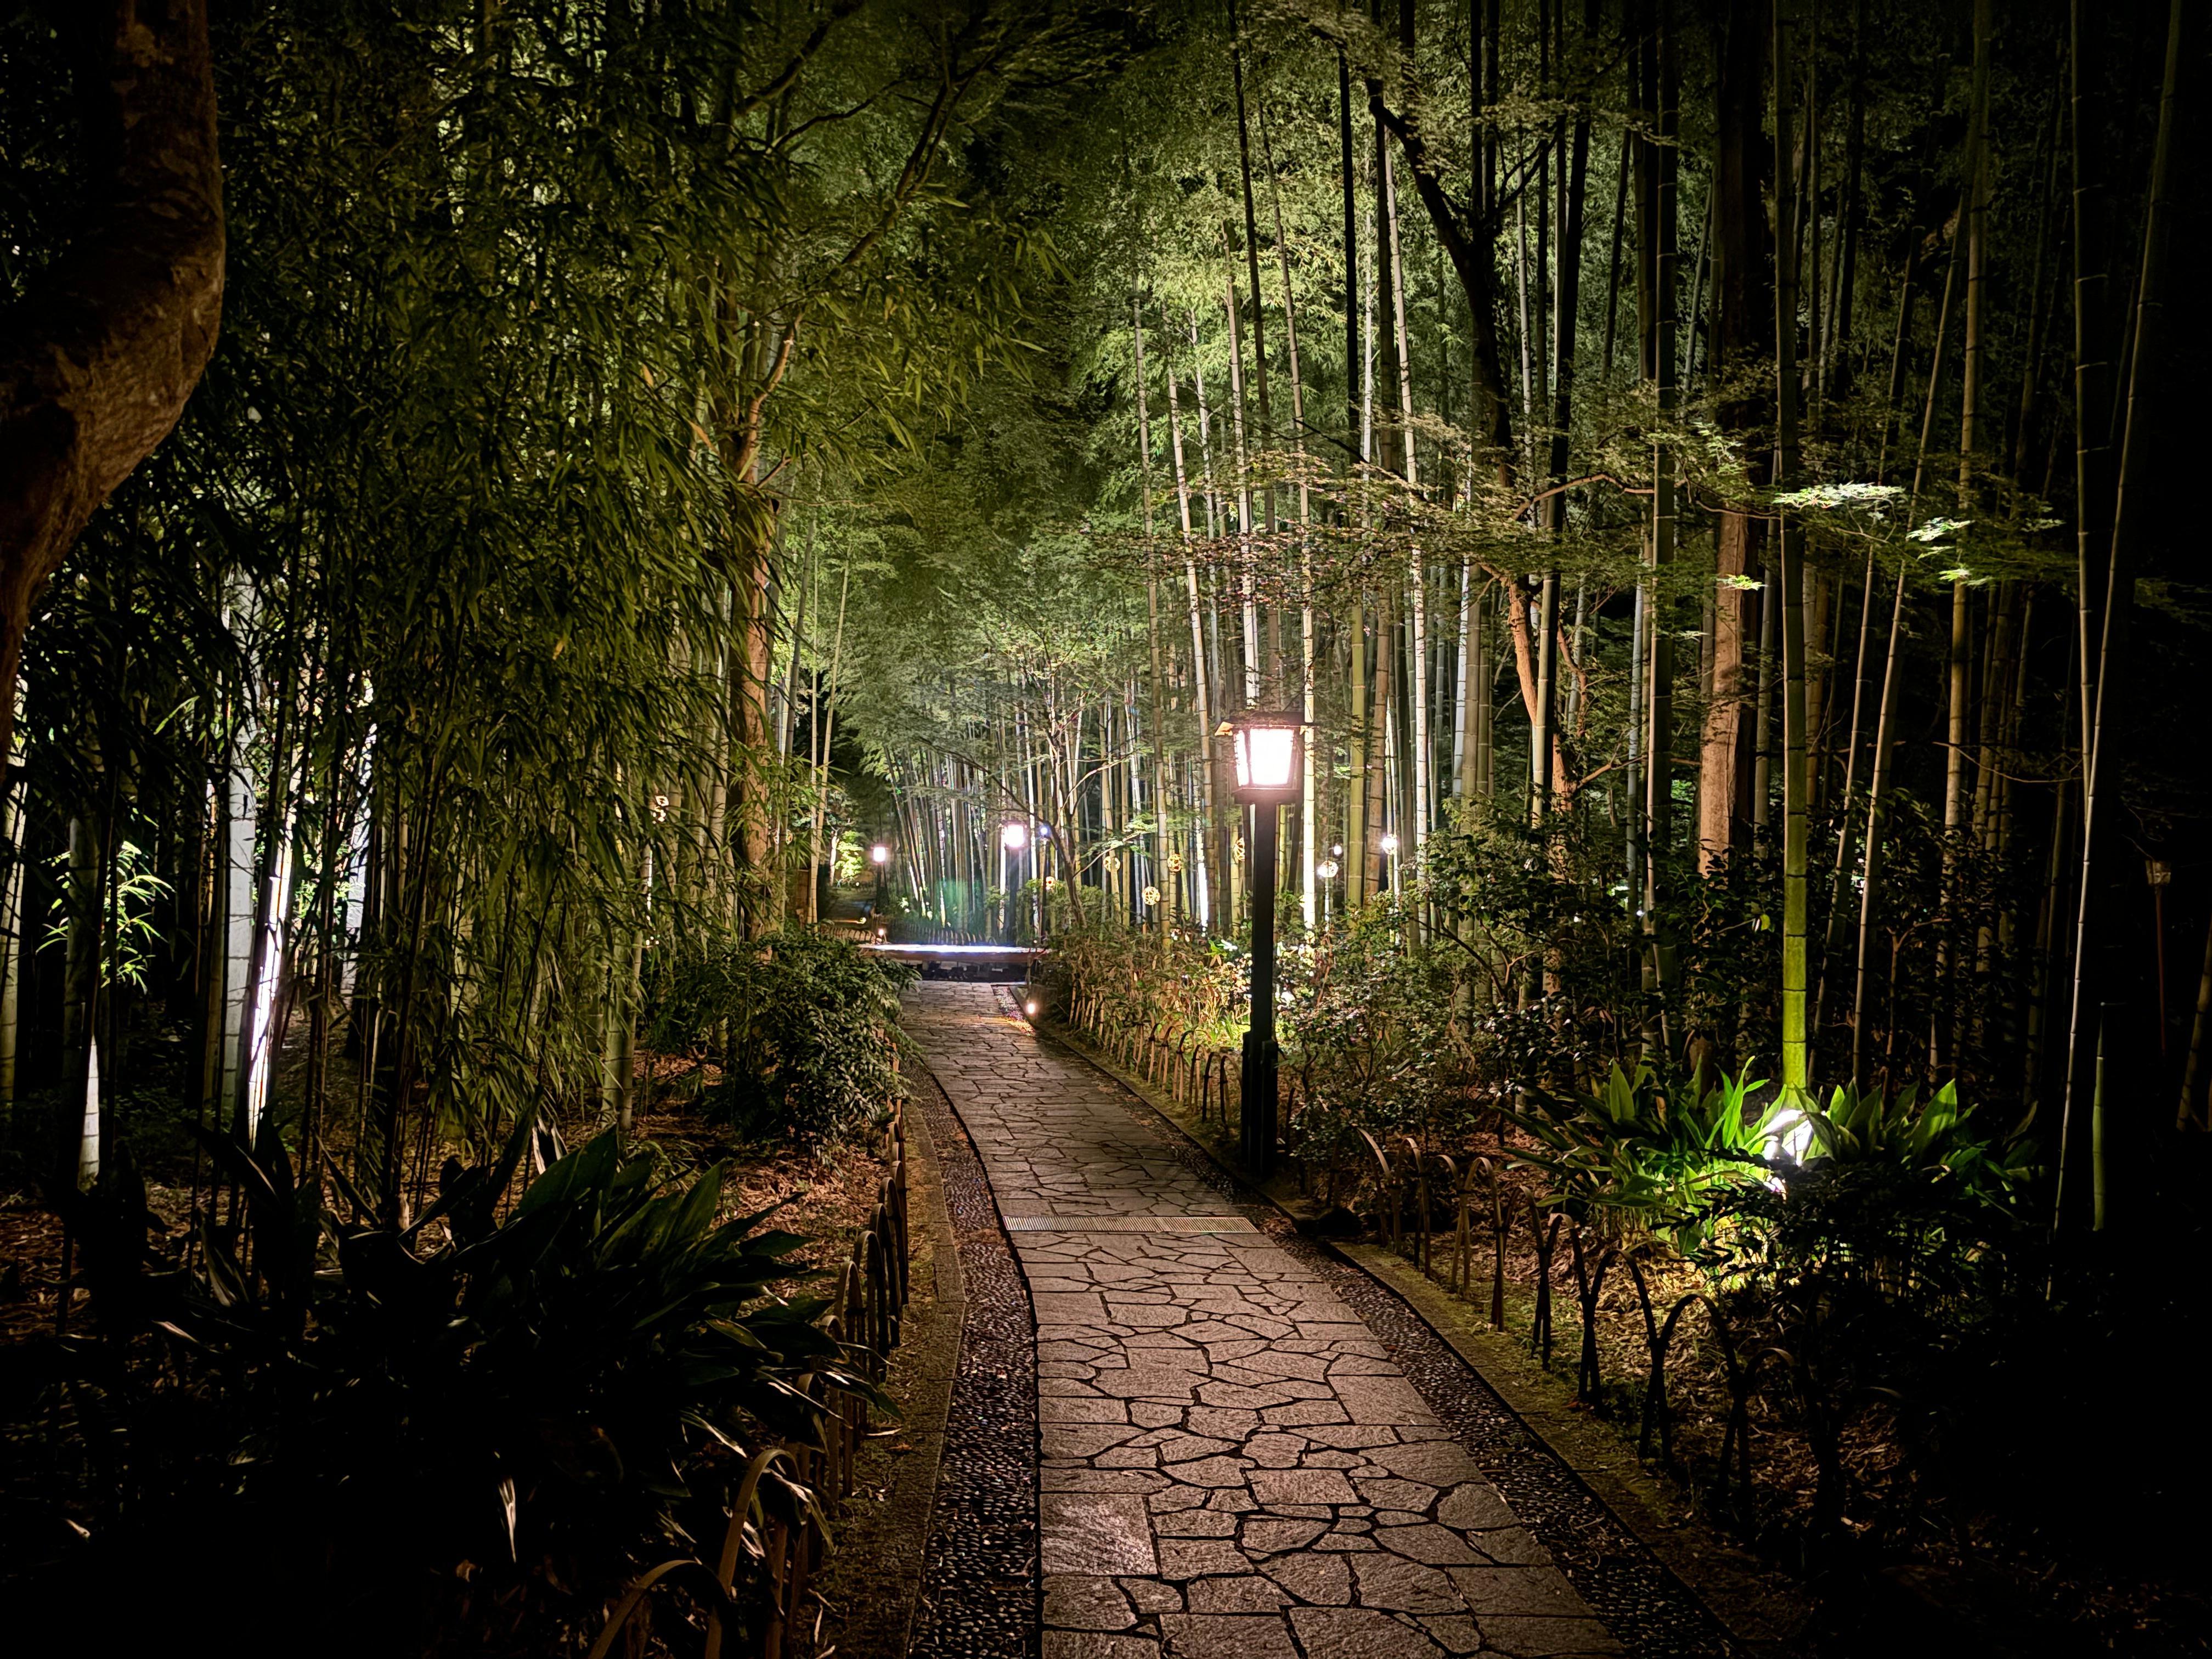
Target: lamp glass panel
[[1274, 756]]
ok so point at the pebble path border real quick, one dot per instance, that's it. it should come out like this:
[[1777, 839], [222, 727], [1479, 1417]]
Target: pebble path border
[[980, 1592], [1641, 1603]]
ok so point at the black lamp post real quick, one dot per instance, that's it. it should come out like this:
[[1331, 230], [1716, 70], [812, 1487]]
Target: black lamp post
[[1266, 755]]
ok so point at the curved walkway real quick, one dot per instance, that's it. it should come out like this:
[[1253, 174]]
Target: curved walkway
[[1232, 1465]]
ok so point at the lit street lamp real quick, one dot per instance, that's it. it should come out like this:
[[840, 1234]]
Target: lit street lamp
[[1390, 852], [1014, 836], [1266, 747], [880, 856]]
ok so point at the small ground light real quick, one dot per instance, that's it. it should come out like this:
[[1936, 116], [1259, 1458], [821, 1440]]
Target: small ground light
[[1789, 1140], [1031, 1008]]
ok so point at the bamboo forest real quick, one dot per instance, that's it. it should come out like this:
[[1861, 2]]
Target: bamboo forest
[[1104, 828]]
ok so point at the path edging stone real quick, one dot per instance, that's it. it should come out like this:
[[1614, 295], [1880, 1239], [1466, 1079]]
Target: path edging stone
[[980, 1593]]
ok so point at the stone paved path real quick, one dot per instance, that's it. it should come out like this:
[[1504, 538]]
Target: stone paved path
[[1232, 1466]]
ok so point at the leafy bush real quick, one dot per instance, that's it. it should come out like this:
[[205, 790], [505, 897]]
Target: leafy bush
[[1187, 982], [1369, 1029], [1901, 1194], [1661, 1153], [416, 1445], [806, 1026]]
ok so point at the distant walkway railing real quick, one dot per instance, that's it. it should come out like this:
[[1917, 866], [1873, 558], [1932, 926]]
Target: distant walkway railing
[[1182, 1060]]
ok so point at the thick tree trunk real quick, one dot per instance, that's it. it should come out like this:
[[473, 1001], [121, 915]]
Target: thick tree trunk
[[1662, 164], [1796, 792], [97, 357], [1742, 333]]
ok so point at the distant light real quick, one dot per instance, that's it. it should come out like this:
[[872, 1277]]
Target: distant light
[[881, 855], [1014, 836], [1337, 851], [1389, 843]]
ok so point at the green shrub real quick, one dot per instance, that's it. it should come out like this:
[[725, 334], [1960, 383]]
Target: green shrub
[[806, 1025]]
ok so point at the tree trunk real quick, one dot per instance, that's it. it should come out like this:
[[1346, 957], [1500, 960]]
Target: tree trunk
[[1970, 386], [1796, 793], [1662, 162], [1468, 247], [1202, 697], [1742, 333], [1266, 434], [108, 340], [2095, 933]]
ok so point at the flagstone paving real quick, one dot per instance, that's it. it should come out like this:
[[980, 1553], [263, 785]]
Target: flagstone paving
[[1231, 1463]]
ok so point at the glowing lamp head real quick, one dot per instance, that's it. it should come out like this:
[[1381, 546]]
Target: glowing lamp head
[[1264, 748], [1014, 836], [1337, 851], [1031, 1008], [1788, 1136], [880, 854], [1326, 869], [1389, 843]]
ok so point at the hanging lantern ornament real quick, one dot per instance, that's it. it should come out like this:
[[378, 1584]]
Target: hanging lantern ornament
[[1151, 897], [1109, 862], [1175, 863]]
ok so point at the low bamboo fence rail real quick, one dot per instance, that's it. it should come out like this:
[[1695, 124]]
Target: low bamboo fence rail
[[1177, 1059], [870, 1308]]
